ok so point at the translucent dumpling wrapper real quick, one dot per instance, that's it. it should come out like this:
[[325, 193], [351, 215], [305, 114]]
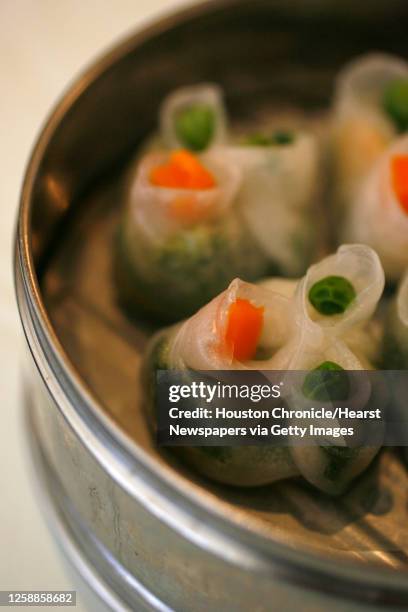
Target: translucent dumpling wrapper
[[342, 290], [379, 212], [203, 342], [218, 338], [370, 92], [278, 194], [283, 286], [290, 167], [345, 289], [395, 356], [364, 339], [396, 331], [159, 211], [332, 464], [194, 117], [332, 329], [181, 240], [357, 264]]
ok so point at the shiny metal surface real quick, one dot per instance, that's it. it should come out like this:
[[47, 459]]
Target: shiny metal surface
[[153, 530]]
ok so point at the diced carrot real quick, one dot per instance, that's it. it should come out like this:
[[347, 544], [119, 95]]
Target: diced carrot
[[244, 328], [399, 171], [183, 170]]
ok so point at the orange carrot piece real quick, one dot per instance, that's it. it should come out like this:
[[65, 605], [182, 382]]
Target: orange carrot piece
[[399, 171], [244, 328], [183, 170]]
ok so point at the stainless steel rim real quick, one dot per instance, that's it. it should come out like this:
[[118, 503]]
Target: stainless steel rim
[[128, 464]]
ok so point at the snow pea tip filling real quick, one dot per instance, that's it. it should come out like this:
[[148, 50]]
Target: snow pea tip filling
[[399, 177], [280, 137], [395, 103], [195, 126], [244, 328], [332, 295], [327, 382]]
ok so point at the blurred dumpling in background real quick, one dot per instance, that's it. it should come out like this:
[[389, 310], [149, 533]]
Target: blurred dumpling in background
[[278, 196], [370, 110], [180, 240], [378, 214], [396, 330], [201, 210], [194, 118]]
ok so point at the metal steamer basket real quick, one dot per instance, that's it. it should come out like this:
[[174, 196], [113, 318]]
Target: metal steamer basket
[[142, 529]]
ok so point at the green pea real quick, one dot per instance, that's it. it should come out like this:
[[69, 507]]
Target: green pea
[[332, 295], [327, 382], [279, 137], [395, 102], [195, 126]]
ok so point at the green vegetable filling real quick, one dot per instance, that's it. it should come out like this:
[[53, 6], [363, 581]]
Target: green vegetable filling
[[195, 126], [395, 102], [327, 382], [332, 295], [279, 137], [338, 457]]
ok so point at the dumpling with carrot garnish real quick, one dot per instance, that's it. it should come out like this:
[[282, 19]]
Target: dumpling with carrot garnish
[[181, 241]]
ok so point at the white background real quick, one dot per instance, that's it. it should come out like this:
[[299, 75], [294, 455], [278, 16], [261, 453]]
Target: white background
[[43, 45]]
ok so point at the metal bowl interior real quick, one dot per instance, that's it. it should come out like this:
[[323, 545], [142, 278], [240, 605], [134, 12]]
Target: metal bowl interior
[[263, 54]]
